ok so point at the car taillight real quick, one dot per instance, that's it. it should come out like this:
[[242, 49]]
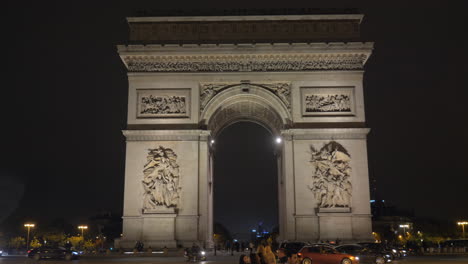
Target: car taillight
[[299, 254], [29, 251]]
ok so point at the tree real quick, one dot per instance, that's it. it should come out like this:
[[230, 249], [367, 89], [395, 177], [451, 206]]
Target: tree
[[89, 245], [35, 243], [17, 242], [57, 239], [76, 241]]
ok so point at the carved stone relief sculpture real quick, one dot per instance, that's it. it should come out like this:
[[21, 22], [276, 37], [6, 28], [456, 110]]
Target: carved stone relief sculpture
[[331, 172], [246, 63], [327, 103], [281, 89], [154, 103], [161, 179]]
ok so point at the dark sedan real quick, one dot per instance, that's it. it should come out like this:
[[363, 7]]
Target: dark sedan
[[366, 255], [378, 247], [53, 253]]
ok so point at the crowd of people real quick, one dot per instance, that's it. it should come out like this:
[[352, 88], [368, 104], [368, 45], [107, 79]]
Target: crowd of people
[[265, 255]]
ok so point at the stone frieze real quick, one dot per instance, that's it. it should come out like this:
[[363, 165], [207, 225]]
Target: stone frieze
[[245, 63]]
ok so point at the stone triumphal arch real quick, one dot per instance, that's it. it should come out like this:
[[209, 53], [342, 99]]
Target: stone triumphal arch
[[300, 76]]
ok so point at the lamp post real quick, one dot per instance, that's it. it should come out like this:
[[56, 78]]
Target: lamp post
[[82, 227], [463, 223], [404, 229], [29, 229]]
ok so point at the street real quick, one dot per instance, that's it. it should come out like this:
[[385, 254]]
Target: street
[[225, 259]]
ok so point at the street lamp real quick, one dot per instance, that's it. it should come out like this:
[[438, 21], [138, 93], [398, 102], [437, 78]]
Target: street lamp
[[463, 223], [82, 227], [29, 228], [404, 228]]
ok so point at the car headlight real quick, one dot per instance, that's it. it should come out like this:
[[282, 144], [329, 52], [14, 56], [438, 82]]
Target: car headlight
[[75, 253], [354, 258], [203, 253], [394, 250]]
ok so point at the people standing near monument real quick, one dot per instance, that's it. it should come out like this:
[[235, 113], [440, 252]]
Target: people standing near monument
[[269, 256], [255, 258], [244, 259], [282, 257], [292, 258]]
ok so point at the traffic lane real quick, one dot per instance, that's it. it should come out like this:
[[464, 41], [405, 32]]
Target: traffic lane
[[456, 259], [117, 260], [211, 260]]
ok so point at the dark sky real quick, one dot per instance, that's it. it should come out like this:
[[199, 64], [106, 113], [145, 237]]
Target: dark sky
[[64, 99]]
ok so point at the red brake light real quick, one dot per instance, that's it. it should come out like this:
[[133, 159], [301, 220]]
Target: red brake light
[[299, 254], [29, 251]]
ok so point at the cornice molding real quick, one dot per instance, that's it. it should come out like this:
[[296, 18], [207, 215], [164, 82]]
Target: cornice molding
[[166, 135], [245, 57], [325, 133]]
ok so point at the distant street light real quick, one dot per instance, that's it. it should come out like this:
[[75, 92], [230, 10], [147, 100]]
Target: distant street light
[[463, 223], [278, 140], [404, 228], [29, 226], [82, 227]]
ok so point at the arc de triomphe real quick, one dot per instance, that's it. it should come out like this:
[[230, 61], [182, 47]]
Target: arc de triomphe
[[300, 76]]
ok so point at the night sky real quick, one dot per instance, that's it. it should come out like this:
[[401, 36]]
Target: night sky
[[64, 100]]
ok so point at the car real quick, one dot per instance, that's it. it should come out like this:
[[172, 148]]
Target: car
[[1, 252], [388, 253], [53, 253], [292, 247], [366, 255], [325, 255]]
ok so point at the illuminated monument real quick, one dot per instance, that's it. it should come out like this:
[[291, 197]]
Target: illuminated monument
[[300, 76]]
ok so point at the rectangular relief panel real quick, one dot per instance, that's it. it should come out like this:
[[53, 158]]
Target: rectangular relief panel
[[163, 103], [327, 101]]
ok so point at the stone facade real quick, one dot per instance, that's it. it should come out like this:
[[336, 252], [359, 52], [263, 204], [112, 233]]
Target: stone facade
[[309, 94]]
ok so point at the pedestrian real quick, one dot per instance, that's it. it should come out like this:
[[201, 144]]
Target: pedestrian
[[261, 249], [292, 258], [282, 256], [269, 256], [255, 258], [244, 259], [251, 246]]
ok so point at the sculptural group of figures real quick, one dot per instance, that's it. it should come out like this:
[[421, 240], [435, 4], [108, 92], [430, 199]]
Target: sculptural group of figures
[[163, 105], [328, 103], [161, 179], [331, 175]]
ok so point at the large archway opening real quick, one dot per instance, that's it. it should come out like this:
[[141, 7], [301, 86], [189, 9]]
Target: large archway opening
[[245, 182]]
